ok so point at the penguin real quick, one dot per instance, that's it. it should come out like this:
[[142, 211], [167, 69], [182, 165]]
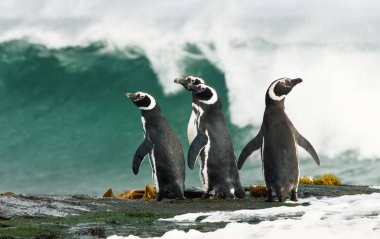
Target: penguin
[[277, 139], [213, 147], [186, 82], [192, 125], [163, 147]]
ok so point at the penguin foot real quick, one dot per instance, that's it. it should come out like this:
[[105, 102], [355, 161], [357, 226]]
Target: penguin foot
[[180, 198], [218, 195], [281, 199], [206, 196], [159, 197], [294, 196], [223, 195], [178, 194], [269, 196], [240, 194]]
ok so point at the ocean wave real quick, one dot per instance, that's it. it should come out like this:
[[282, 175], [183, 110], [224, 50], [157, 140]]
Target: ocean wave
[[250, 43], [63, 115]]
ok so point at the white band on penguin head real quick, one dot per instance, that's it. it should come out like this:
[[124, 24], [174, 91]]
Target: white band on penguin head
[[152, 101], [194, 78], [213, 98], [273, 95]]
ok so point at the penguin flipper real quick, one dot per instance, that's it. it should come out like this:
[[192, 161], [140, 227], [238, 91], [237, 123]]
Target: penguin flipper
[[196, 146], [145, 148], [251, 147], [304, 143]]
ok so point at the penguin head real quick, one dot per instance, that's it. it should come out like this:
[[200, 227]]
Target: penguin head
[[189, 80], [204, 93], [278, 90], [142, 100]]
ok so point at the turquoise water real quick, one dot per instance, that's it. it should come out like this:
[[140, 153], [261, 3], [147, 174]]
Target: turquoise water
[[66, 126]]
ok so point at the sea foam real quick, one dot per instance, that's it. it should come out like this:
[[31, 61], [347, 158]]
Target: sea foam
[[343, 217]]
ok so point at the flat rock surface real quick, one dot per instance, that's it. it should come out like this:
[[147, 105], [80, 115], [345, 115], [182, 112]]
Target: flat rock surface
[[24, 216]]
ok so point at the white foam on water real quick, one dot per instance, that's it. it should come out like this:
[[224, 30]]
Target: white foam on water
[[251, 42], [345, 217], [375, 187], [189, 217]]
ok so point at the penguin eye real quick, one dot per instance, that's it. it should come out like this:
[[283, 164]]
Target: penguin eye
[[286, 83], [192, 80], [283, 82], [203, 88]]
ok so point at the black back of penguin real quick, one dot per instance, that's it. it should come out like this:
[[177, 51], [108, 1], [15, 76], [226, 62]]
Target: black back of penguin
[[281, 170], [163, 147], [279, 153], [217, 150], [277, 139]]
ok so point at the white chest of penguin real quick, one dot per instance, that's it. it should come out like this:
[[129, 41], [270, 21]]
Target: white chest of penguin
[[152, 158], [192, 127], [192, 131]]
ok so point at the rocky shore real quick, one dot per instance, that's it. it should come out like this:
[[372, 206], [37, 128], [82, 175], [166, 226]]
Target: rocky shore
[[81, 216]]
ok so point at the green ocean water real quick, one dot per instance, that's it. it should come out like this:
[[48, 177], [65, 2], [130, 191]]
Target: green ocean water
[[66, 126]]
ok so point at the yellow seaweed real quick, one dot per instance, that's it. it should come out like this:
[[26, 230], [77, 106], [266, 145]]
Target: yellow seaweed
[[108, 193], [150, 193], [306, 180], [326, 179], [8, 193], [147, 194], [258, 191]]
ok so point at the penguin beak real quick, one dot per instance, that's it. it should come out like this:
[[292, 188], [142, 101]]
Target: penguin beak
[[131, 96], [180, 81], [294, 82]]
